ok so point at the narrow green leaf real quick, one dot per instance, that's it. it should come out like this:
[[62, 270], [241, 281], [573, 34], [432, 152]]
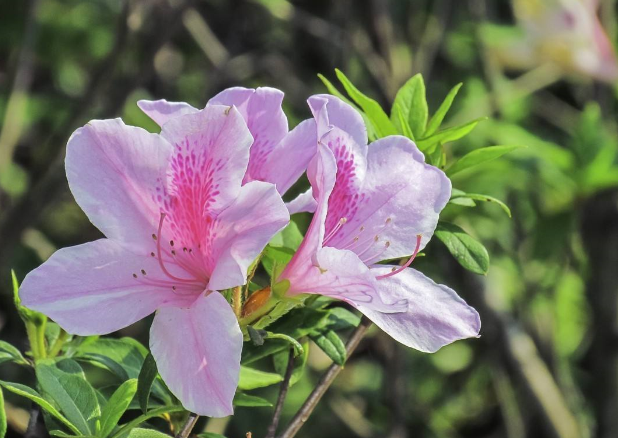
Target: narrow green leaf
[[65, 383], [428, 144], [380, 121], [250, 401], [116, 406], [403, 124], [333, 90], [2, 415], [146, 378], [411, 103], [251, 378], [479, 156], [280, 361], [298, 349], [104, 362], [9, 353], [438, 117], [131, 425], [464, 202], [210, 435], [340, 318], [331, 344], [470, 253], [35, 397], [471, 197], [274, 258], [146, 433]]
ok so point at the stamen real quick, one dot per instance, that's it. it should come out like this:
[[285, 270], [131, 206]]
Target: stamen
[[134, 275], [165, 271], [334, 231], [375, 240], [377, 254], [143, 272], [154, 236], [171, 243], [152, 254], [408, 263]]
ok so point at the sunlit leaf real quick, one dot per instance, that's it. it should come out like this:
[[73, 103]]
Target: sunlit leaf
[[436, 121], [251, 378], [250, 401], [145, 379], [470, 253], [479, 156], [331, 344], [411, 103], [116, 406]]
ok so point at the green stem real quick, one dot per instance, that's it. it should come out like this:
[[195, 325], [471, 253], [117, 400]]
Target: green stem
[[36, 337], [145, 417], [55, 349]]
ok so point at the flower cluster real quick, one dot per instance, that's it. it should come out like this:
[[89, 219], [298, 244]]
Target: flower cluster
[[186, 212]]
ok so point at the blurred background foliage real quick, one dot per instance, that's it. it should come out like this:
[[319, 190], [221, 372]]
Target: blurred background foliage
[[542, 71]]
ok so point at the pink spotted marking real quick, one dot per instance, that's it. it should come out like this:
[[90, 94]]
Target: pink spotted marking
[[406, 264]]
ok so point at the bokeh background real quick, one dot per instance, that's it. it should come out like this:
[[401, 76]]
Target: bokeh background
[[543, 71]]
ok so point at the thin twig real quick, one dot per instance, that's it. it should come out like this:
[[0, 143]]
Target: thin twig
[[186, 429], [324, 383], [283, 392]]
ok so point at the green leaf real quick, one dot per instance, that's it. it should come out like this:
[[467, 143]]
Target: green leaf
[[65, 383], [106, 362], [464, 202], [124, 430], [280, 361], [26, 314], [438, 117], [331, 344], [146, 378], [380, 121], [116, 406], [470, 254], [290, 237], [9, 353], [298, 349], [340, 318], [428, 144], [251, 378], [403, 124], [35, 323], [256, 336], [146, 433], [411, 103], [479, 156], [35, 397], [250, 401], [2, 415], [471, 197], [211, 434], [333, 90], [276, 258]]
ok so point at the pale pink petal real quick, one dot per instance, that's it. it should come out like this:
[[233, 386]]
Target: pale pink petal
[[342, 275], [160, 111], [261, 109], [115, 173], [305, 202], [197, 350], [321, 173], [339, 115], [435, 316], [401, 197], [243, 230], [211, 152], [289, 159], [91, 289]]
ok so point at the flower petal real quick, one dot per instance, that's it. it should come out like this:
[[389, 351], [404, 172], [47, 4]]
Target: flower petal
[[342, 275], [114, 172], [305, 202], [242, 231], [197, 350], [211, 152], [340, 115], [261, 109], [90, 289], [161, 110], [435, 317], [401, 197]]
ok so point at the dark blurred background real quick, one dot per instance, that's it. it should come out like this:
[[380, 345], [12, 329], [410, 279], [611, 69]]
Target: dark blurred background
[[542, 70]]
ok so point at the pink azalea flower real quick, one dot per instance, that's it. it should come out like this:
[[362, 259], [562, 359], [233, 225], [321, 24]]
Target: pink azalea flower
[[375, 203], [180, 226], [277, 156]]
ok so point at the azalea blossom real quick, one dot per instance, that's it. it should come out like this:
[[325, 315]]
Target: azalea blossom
[[180, 226], [375, 203], [277, 156]]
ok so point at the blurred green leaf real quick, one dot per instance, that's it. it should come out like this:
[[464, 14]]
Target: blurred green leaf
[[251, 378], [2, 415], [458, 194], [290, 237], [32, 395], [9, 353], [65, 383], [131, 425], [331, 344], [116, 407], [145, 379], [411, 103], [249, 401], [436, 121], [470, 254], [380, 121], [479, 156], [146, 433], [340, 318]]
